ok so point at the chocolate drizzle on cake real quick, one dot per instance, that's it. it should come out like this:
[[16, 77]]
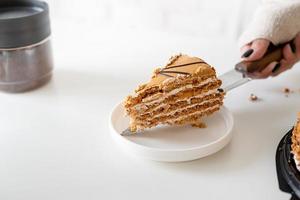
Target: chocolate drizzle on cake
[[165, 70], [182, 65], [175, 72], [166, 74]]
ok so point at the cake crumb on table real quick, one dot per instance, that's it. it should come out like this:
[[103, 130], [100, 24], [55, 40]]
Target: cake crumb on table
[[253, 97], [286, 90]]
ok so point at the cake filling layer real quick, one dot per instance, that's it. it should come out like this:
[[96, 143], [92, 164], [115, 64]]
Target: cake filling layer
[[176, 90], [184, 102], [166, 109], [195, 116], [184, 92], [198, 113], [187, 99], [179, 112]]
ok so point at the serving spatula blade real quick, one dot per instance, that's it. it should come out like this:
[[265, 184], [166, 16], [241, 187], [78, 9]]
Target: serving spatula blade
[[233, 79]]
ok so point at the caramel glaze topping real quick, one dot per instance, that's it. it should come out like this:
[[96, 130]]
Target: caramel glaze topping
[[180, 65]]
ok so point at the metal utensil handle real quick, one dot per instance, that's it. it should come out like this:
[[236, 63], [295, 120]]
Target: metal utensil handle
[[274, 53]]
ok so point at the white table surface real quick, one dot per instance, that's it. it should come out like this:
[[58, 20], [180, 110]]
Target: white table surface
[[55, 141]]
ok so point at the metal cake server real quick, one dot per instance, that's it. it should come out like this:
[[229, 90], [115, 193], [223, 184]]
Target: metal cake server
[[239, 75], [233, 79]]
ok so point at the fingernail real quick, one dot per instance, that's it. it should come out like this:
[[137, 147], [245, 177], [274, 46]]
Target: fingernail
[[293, 47], [247, 53], [277, 66]]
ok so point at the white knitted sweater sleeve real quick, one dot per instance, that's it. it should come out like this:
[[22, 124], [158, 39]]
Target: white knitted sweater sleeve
[[275, 20]]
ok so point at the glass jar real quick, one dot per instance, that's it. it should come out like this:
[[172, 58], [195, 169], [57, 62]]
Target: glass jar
[[25, 47]]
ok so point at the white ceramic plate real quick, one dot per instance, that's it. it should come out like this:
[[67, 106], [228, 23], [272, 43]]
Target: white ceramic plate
[[174, 144]]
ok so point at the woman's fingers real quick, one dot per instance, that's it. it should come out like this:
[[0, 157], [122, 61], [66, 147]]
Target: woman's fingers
[[297, 45], [290, 57], [268, 71], [289, 53], [255, 50], [283, 66], [245, 48]]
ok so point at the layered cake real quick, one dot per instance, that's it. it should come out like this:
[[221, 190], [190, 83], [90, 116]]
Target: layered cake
[[180, 93], [296, 142]]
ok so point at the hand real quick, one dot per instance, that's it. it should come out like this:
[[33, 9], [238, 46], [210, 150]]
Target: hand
[[256, 50]]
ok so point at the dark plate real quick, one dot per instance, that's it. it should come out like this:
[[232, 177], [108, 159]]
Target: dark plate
[[287, 173]]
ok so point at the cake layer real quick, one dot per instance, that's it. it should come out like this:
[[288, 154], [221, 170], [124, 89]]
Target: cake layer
[[180, 103], [175, 95], [149, 94], [169, 109], [180, 87], [156, 105], [175, 114], [196, 116], [192, 118]]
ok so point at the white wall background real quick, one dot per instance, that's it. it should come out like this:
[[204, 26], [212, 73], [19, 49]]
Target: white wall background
[[202, 18], [134, 33]]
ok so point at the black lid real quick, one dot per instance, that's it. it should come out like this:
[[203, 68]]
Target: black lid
[[287, 173], [23, 22]]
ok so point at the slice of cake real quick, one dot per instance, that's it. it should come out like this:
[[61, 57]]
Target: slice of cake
[[180, 93], [296, 142]]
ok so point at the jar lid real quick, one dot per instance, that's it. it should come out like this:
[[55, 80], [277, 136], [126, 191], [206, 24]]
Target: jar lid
[[23, 22]]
